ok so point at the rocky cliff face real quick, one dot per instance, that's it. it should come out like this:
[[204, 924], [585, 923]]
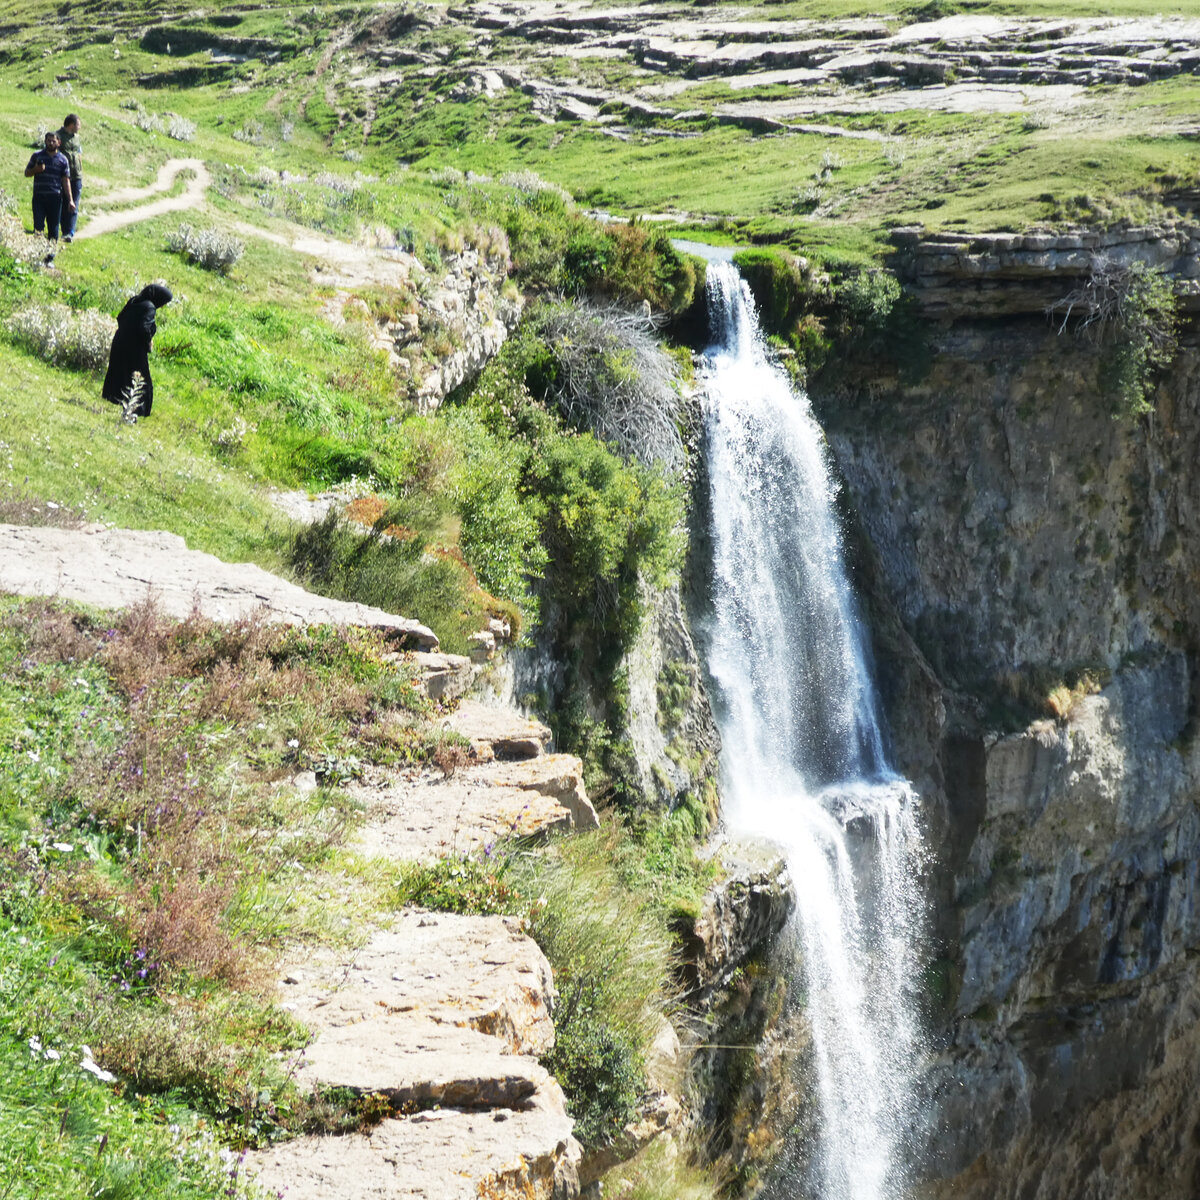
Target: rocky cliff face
[[1030, 565]]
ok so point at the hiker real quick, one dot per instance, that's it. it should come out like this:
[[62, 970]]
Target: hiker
[[69, 147], [130, 353], [50, 172]]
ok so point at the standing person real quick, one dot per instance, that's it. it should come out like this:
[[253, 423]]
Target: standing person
[[69, 147], [130, 353], [50, 173]]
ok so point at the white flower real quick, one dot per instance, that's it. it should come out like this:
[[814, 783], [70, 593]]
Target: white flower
[[293, 743], [35, 1046], [97, 1070], [62, 847]]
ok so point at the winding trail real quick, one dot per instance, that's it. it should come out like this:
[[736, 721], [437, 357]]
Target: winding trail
[[339, 264], [191, 197]]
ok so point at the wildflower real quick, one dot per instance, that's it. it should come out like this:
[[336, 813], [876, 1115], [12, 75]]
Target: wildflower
[[90, 1065]]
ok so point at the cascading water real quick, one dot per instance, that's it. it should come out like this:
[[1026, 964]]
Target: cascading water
[[803, 756]]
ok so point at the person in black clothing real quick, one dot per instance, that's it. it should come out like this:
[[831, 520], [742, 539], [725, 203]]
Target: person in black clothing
[[130, 353], [50, 172]]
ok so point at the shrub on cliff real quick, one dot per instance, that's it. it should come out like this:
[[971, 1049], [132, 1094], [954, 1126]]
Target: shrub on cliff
[[557, 248], [608, 374], [1129, 310]]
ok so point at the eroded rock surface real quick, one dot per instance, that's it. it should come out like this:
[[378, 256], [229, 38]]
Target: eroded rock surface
[[1042, 68], [1007, 274], [441, 1011]]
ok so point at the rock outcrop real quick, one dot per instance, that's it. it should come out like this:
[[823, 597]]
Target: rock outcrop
[[115, 568], [1030, 568], [750, 1042], [808, 67], [1006, 274], [505, 786]]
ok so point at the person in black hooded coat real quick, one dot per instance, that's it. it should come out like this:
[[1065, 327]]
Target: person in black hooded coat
[[130, 351]]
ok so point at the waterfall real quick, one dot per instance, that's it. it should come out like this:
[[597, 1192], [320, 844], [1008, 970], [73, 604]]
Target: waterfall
[[803, 758]]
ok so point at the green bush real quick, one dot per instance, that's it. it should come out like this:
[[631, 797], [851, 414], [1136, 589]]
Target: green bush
[[501, 520], [460, 885], [392, 573], [557, 248], [781, 292], [598, 1069]]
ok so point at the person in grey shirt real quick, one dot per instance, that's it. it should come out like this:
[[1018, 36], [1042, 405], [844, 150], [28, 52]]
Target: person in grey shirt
[[69, 147]]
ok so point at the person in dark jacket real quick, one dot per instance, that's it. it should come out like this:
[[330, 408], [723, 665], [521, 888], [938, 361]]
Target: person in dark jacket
[[130, 353], [72, 151]]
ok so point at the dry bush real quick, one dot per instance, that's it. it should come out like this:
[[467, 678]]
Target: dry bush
[[207, 248], [179, 128], [26, 248], [63, 336], [176, 914], [448, 757], [614, 379], [33, 510]]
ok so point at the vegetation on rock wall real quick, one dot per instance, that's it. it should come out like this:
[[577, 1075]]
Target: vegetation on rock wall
[[1129, 311], [604, 908], [611, 526], [827, 317]]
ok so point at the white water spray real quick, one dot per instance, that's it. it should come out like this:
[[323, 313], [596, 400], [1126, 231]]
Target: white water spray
[[803, 755]]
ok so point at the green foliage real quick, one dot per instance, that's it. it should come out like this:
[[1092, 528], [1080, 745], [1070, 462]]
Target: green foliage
[[675, 687], [460, 885], [611, 955], [781, 290], [609, 528], [501, 518], [557, 248], [393, 573], [598, 1069], [869, 299]]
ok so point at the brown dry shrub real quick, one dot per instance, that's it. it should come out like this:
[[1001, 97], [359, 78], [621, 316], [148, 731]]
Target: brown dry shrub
[[33, 510], [448, 757], [52, 633], [177, 916]]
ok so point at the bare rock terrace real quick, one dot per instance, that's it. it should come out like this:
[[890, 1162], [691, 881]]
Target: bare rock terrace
[[960, 63]]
